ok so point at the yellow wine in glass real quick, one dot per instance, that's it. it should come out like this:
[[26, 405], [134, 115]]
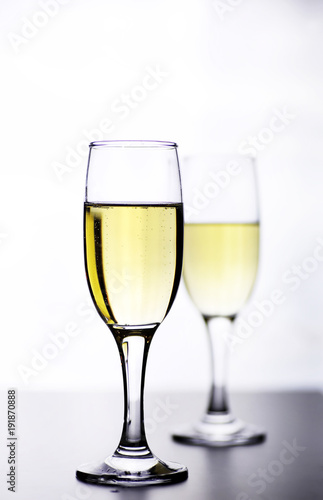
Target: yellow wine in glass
[[133, 245]]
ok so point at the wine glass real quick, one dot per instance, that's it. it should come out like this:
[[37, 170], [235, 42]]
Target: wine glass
[[221, 246], [133, 238]]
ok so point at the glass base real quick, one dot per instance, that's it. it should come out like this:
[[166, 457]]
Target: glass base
[[119, 471], [220, 431]]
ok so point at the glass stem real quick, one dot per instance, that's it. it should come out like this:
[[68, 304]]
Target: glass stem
[[217, 329], [133, 348]]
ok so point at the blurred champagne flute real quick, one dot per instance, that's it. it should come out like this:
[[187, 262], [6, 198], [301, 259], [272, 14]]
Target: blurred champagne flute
[[221, 246]]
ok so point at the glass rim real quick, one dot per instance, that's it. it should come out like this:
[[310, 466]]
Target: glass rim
[[132, 143]]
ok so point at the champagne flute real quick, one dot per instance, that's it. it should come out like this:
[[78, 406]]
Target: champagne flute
[[133, 237], [221, 245]]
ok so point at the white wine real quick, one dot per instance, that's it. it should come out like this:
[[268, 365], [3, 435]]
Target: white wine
[[133, 259], [220, 265]]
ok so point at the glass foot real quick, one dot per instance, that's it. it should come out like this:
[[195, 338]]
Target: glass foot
[[220, 431], [119, 471]]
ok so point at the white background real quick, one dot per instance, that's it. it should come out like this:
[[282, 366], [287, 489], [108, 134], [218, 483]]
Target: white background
[[224, 73]]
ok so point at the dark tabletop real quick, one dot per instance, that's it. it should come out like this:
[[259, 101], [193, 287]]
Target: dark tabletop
[[57, 432]]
